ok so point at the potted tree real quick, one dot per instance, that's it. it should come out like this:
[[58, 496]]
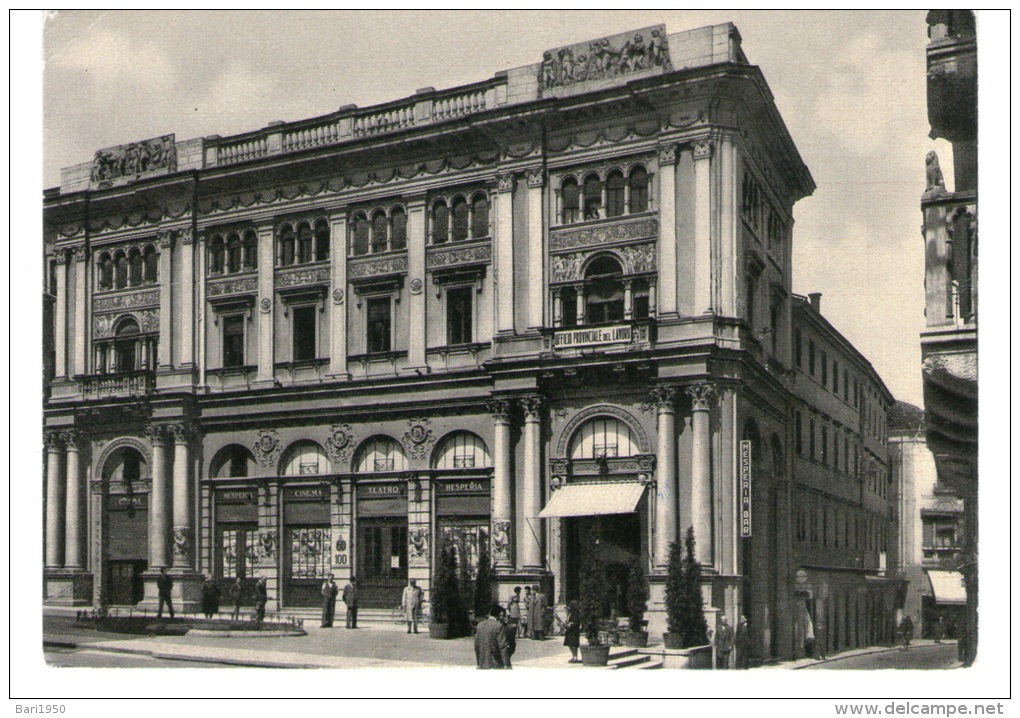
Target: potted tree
[[637, 604], [595, 601], [483, 583], [445, 598], [685, 612]]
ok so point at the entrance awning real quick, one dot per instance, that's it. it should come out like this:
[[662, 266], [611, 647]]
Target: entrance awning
[[947, 587], [593, 500]]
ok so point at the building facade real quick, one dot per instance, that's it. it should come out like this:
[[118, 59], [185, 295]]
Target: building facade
[[497, 314]]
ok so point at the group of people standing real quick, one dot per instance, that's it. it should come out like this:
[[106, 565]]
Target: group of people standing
[[329, 592], [212, 595], [526, 613], [728, 641]]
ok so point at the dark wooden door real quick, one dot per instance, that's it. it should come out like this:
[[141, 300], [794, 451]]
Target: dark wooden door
[[382, 561]]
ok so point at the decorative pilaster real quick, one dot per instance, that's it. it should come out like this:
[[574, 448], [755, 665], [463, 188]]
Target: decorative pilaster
[[504, 253], [74, 554], [159, 500], [666, 499], [502, 510], [166, 243], [81, 295], [416, 275], [54, 501], [702, 227], [667, 230], [182, 434], [338, 297], [60, 330], [531, 541], [536, 248], [266, 303], [701, 396], [187, 321]]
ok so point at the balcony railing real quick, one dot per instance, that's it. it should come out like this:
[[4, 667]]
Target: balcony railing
[[128, 383]]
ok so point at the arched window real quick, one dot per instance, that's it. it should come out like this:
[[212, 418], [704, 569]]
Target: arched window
[[305, 457], [120, 266], [480, 216], [105, 271], [125, 345], [232, 462], [321, 240], [304, 243], [151, 261], [461, 450], [234, 252], [360, 234], [380, 453], [398, 228], [216, 255], [380, 227], [592, 197], [286, 245], [440, 223], [251, 250], [125, 464], [570, 194], [615, 194], [603, 291], [460, 219], [638, 190], [603, 436], [134, 267]]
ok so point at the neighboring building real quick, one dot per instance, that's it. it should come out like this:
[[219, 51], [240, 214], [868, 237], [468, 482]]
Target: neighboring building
[[843, 516], [500, 313], [949, 343], [931, 528]]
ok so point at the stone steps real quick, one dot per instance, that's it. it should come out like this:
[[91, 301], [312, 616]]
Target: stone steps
[[626, 658]]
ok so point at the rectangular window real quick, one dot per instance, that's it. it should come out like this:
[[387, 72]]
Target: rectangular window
[[835, 451], [379, 324], [825, 369], [752, 290], [846, 385], [846, 454], [233, 341], [811, 439], [798, 438], [797, 349], [458, 315], [825, 445], [304, 333], [835, 377], [811, 357]]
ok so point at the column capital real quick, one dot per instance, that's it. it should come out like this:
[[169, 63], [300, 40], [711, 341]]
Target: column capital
[[702, 149], [532, 406], [701, 395], [667, 154], [182, 432], [60, 255], [71, 439], [80, 254], [536, 177], [53, 439], [505, 181], [166, 238], [500, 410], [186, 235], [157, 433], [664, 397]]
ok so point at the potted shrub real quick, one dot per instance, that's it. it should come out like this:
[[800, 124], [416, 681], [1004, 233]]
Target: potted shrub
[[445, 596], [483, 583], [595, 601], [685, 613], [637, 605]]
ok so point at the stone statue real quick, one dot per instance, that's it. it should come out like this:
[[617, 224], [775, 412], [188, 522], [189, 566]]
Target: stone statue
[[933, 173]]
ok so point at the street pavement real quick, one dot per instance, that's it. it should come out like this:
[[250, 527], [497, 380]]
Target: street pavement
[[922, 655]]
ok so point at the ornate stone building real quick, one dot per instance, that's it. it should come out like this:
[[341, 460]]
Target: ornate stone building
[[499, 313]]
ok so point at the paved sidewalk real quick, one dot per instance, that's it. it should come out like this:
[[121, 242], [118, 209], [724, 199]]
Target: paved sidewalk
[[808, 662]]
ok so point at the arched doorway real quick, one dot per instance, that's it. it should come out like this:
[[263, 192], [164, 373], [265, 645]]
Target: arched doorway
[[307, 540], [127, 525]]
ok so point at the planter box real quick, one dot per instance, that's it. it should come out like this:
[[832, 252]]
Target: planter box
[[672, 641], [439, 630], [635, 640], [595, 655]]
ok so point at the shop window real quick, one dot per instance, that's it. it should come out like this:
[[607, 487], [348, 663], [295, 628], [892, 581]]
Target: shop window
[[380, 227], [359, 233], [380, 454], [398, 228], [238, 553], [603, 437], [379, 325], [638, 190], [151, 261], [615, 194], [480, 216], [287, 248], [310, 552], [462, 450], [304, 327], [233, 341], [592, 197], [603, 291], [570, 195], [459, 315], [460, 219], [321, 240], [440, 223], [234, 253], [467, 537]]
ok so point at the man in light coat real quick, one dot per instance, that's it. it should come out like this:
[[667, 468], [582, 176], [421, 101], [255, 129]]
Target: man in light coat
[[409, 602], [536, 619], [491, 641]]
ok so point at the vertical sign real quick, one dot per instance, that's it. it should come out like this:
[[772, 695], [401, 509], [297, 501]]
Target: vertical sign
[[745, 489]]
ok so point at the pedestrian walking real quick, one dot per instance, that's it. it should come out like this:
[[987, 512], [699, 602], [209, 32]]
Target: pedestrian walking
[[525, 627], [350, 598], [572, 632], [407, 602], [511, 639], [237, 596], [938, 631], [165, 587], [723, 643], [742, 643], [490, 641], [261, 599], [513, 610], [906, 632], [210, 597], [329, 592]]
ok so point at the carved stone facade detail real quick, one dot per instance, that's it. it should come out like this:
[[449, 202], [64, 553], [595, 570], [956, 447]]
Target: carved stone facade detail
[[80, 255], [604, 234], [103, 324], [148, 298], [338, 296], [638, 258], [532, 406], [702, 149], [505, 182], [182, 541], [664, 397], [500, 410], [501, 540], [418, 438], [186, 235], [265, 305], [267, 448], [245, 285], [701, 396], [934, 182], [339, 443], [418, 545], [466, 255], [604, 59], [267, 545], [667, 154], [166, 239], [393, 265], [61, 255], [536, 177], [416, 286], [302, 276], [53, 440], [155, 156], [635, 259]]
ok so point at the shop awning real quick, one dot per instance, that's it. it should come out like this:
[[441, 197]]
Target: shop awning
[[593, 500], [947, 587]]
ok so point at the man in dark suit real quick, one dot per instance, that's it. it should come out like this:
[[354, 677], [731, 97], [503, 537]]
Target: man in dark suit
[[165, 586], [350, 597], [491, 641], [329, 591]]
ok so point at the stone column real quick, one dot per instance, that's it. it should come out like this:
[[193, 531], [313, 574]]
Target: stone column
[[557, 308], [187, 320], [159, 501], [266, 303], [536, 249], [166, 243], [416, 281], [338, 314], [701, 469], [531, 542], [580, 303], [54, 499], [74, 555], [60, 330], [504, 254], [667, 230], [667, 503], [81, 296], [702, 227], [502, 495], [182, 498]]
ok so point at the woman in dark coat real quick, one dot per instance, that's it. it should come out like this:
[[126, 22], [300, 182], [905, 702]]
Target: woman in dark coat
[[210, 598], [572, 633]]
